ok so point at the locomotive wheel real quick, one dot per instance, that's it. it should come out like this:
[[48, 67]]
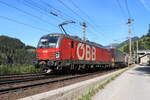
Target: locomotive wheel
[[44, 67], [48, 71]]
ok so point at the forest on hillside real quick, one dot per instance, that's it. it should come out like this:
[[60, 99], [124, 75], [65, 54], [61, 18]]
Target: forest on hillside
[[14, 52], [143, 44]]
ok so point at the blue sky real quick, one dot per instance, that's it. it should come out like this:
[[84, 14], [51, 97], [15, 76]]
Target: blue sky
[[106, 22]]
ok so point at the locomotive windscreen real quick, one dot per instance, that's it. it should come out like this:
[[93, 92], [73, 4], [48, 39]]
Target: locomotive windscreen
[[48, 42]]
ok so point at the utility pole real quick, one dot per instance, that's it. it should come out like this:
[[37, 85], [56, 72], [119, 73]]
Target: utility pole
[[137, 47], [149, 27], [149, 30], [111, 46], [130, 41], [84, 26]]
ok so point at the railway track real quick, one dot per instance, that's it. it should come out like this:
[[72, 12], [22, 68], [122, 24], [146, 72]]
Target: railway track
[[20, 75], [16, 85], [12, 81], [6, 90]]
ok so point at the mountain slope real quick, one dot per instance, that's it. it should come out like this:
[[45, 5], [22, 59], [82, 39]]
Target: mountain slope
[[144, 44], [14, 52]]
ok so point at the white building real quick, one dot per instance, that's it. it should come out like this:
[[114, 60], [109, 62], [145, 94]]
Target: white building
[[144, 56]]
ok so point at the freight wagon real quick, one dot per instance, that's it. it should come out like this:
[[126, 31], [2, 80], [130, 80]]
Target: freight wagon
[[119, 58]]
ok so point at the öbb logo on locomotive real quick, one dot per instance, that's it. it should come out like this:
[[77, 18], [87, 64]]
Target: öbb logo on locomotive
[[86, 52]]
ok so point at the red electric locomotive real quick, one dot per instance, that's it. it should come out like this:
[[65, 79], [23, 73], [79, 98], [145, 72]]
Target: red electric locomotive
[[61, 51]]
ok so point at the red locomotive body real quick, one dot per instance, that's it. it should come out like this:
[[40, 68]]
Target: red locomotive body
[[58, 51]]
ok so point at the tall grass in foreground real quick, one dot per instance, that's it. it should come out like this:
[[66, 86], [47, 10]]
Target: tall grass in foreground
[[6, 70]]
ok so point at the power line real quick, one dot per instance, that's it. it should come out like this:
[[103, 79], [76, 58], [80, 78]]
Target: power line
[[27, 13], [50, 6], [32, 7], [77, 13], [80, 10], [84, 14], [70, 9], [32, 4], [67, 8], [127, 7], [60, 1], [35, 6], [18, 22], [121, 9]]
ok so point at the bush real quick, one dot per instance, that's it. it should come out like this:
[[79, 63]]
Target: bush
[[6, 70]]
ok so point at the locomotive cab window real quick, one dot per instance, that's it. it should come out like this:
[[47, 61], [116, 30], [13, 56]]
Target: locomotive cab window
[[48, 42], [72, 44]]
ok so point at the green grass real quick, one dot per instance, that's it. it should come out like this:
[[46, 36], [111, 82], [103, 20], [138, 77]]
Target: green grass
[[6, 70], [94, 90]]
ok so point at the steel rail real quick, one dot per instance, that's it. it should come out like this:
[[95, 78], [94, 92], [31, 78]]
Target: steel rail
[[7, 82], [6, 90], [21, 75]]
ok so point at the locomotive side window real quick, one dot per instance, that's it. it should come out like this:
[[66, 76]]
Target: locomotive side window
[[72, 44], [48, 42]]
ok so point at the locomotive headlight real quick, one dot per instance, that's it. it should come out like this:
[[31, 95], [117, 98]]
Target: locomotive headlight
[[57, 54]]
